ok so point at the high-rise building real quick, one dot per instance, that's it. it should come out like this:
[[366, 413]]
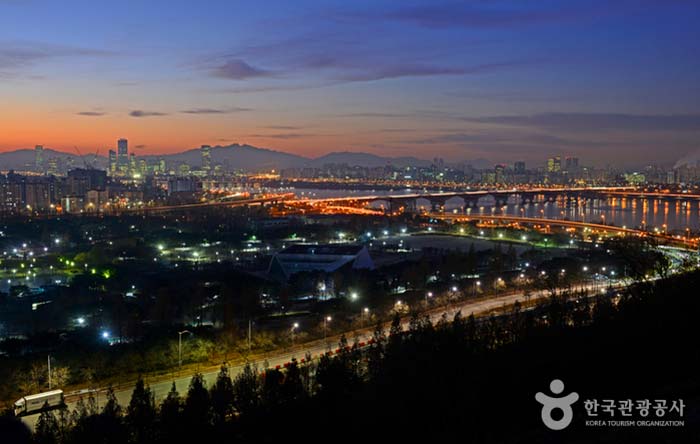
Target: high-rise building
[[132, 164], [519, 167], [53, 166], [554, 164], [499, 173], [39, 158], [571, 163], [123, 156], [112, 163], [206, 158]]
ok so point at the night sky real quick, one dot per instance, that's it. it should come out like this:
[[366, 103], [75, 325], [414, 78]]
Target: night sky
[[608, 81]]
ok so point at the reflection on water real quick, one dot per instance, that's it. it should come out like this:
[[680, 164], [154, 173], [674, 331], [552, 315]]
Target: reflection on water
[[630, 212]]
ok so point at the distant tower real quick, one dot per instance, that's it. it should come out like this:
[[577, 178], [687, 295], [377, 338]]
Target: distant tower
[[572, 163], [39, 158], [132, 164], [123, 156], [519, 167], [499, 173], [53, 166], [206, 158], [554, 164], [112, 163]]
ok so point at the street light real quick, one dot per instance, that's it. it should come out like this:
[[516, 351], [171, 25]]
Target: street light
[[326, 320], [294, 327], [365, 311], [179, 345], [354, 295]]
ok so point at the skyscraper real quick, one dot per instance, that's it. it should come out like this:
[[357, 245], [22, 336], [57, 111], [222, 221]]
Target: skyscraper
[[132, 164], [571, 163], [499, 173], [554, 164], [53, 167], [123, 156], [112, 163], [519, 167], [39, 158], [206, 158]]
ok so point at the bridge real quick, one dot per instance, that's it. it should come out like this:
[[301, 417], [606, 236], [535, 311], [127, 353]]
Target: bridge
[[470, 199], [437, 200]]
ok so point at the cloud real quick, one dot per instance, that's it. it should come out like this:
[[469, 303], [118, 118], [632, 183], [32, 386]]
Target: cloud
[[597, 121], [237, 69], [503, 138], [324, 57], [284, 127], [140, 147], [427, 114], [281, 136], [141, 113], [514, 96], [215, 110], [460, 14], [16, 56], [372, 115], [370, 73], [91, 113]]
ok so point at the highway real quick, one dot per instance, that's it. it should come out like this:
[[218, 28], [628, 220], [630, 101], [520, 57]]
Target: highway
[[690, 243], [475, 193], [161, 387], [226, 203]]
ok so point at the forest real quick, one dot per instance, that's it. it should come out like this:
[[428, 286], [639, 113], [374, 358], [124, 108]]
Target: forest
[[465, 378]]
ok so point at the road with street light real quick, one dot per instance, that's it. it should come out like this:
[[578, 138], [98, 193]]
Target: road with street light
[[160, 387]]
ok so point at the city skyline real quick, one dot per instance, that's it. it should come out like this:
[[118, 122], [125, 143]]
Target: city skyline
[[498, 80]]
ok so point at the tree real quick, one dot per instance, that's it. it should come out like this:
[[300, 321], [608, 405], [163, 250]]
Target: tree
[[59, 376], [141, 413], [246, 390], [222, 395], [112, 408], [111, 426], [271, 388], [169, 417], [293, 386], [376, 351], [197, 409], [47, 430]]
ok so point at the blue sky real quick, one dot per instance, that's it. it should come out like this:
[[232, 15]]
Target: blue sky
[[607, 81]]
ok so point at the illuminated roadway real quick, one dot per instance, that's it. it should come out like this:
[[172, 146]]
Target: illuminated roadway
[[228, 203], [477, 193], [564, 223], [620, 192], [161, 386]]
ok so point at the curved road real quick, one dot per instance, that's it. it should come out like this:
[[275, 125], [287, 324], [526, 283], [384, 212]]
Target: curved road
[[161, 387]]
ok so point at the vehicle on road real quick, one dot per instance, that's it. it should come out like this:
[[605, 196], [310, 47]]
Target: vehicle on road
[[38, 402]]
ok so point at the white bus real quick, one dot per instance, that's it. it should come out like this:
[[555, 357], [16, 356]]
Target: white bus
[[33, 403]]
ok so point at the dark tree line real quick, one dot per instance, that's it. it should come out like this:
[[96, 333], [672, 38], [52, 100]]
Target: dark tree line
[[462, 377]]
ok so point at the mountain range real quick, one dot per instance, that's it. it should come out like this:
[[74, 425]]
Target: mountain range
[[235, 156]]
